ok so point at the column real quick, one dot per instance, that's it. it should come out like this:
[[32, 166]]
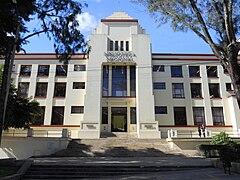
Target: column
[[128, 81], [110, 81]]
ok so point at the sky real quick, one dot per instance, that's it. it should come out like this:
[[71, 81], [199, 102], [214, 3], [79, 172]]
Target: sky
[[163, 38]]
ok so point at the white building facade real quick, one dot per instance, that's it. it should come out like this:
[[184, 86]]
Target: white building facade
[[121, 86]]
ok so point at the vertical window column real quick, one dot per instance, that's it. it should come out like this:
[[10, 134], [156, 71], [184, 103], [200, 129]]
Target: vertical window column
[[110, 81], [128, 81]]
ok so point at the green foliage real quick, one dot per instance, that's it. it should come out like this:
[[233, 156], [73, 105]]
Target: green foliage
[[223, 139]]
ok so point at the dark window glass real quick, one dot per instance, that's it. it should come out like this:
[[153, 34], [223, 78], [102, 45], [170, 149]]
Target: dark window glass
[[25, 70], [116, 45], [43, 70], [218, 118], [214, 90], [105, 115], [105, 80], [180, 116], [194, 71], [198, 115], [159, 85], [176, 71], [158, 68], [111, 46], [132, 81], [57, 115], [121, 46], [161, 110], [119, 81], [127, 45], [77, 109], [133, 115], [212, 71], [226, 71], [196, 90], [78, 85], [61, 70], [39, 119], [41, 89], [60, 90], [229, 87], [23, 88], [178, 90], [79, 67]]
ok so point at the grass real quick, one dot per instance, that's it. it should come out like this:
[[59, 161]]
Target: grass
[[7, 170]]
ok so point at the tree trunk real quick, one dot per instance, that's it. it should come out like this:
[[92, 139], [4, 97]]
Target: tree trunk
[[234, 70]]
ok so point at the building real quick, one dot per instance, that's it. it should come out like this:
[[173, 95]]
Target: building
[[121, 86]]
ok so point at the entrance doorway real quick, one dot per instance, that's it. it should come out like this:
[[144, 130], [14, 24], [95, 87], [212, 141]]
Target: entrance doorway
[[119, 119]]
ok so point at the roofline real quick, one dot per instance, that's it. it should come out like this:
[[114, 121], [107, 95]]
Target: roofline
[[119, 20]]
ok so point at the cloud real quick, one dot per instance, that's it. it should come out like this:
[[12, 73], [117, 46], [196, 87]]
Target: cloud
[[87, 22]]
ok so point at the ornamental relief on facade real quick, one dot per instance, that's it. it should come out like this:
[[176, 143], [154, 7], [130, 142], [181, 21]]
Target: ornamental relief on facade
[[120, 56]]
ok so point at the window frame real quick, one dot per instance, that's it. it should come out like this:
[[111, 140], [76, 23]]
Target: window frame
[[60, 121], [20, 88], [79, 67], [197, 89], [218, 120], [77, 109], [198, 117], [55, 91], [158, 68], [43, 74], [61, 73], [161, 110], [176, 71], [182, 122], [212, 91], [159, 85], [178, 95], [211, 73], [27, 73], [37, 93], [194, 73], [81, 85]]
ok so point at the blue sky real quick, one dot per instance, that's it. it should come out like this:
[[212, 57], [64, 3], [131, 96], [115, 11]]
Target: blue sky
[[163, 38]]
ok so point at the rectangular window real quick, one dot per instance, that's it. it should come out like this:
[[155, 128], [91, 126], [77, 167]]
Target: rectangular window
[[158, 68], [180, 117], [39, 119], [194, 71], [229, 87], [57, 115], [176, 71], [111, 45], [212, 71], [23, 88], [41, 89], [105, 80], [60, 90], [196, 90], [116, 45], [119, 81], [61, 70], [132, 80], [25, 70], [159, 85], [218, 118], [79, 67], [161, 110], [214, 90], [77, 109], [127, 45], [198, 115], [43, 70], [121, 46], [133, 116], [78, 85], [104, 115], [178, 90]]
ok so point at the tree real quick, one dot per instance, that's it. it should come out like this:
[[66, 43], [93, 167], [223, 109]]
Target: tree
[[217, 22], [57, 19], [21, 112]]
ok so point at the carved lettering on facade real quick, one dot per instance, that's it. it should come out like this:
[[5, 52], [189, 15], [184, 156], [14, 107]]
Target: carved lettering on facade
[[119, 56]]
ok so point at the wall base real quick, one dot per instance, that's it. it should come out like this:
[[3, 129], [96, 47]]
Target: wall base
[[85, 134], [144, 134]]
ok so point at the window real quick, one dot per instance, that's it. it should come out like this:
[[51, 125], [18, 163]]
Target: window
[[132, 81], [176, 71], [119, 81], [218, 118], [105, 80], [23, 88], [198, 115], [159, 85], [133, 117], [180, 118], [178, 90], [25, 70], [116, 45], [79, 67], [41, 89], [212, 71], [57, 115], [39, 120], [60, 90], [43, 70], [77, 109], [214, 90], [127, 45], [158, 68], [196, 90], [78, 85], [121, 46], [229, 87], [194, 71], [61, 70], [104, 115], [161, 110], [111, 46]]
